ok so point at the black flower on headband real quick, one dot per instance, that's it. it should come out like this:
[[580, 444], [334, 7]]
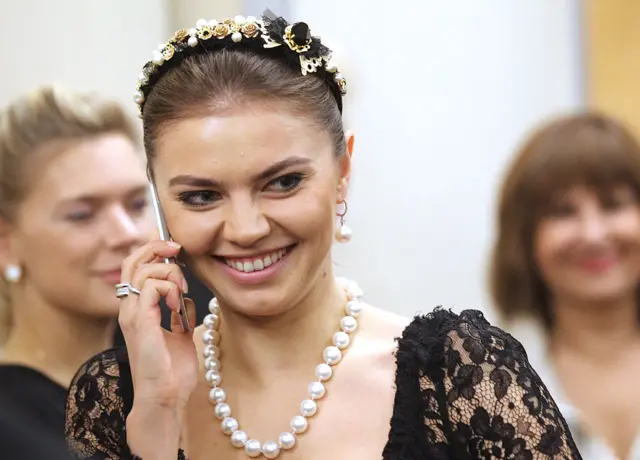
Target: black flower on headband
[[272, 35]]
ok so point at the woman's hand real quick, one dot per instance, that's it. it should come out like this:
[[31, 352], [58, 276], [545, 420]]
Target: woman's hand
[[164, 365]]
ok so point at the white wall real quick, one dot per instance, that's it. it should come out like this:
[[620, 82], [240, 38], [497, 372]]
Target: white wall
[[88, 45], [440, 93]]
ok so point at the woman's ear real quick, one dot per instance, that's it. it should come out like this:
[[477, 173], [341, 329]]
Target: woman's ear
[[349, 141], [345, 167]]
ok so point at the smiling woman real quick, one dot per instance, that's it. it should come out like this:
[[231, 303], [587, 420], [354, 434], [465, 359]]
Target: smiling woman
[[244, 137], [73, 205]]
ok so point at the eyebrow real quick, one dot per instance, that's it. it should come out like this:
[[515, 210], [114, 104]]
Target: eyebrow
[[196, 181], [98, 198]]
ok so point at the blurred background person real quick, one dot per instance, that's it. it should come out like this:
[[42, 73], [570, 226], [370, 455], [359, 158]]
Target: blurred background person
[[73, 205], [566, 270]]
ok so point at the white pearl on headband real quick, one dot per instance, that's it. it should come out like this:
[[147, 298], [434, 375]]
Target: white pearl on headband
[[331, 67], [251, 19], [192, 32], [200, 23], [213, 23], [161, 47], [236, 37], [138, 97], [143, 78], [158, 58], [240, 20], [192, 42]]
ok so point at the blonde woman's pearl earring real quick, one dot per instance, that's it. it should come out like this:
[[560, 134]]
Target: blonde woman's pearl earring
[[12, 273]]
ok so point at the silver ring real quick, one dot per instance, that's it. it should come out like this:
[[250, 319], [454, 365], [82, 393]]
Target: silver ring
[[124, 289]]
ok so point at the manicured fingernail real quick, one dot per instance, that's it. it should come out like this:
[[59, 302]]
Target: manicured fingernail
[[185, 286], [173, 244]]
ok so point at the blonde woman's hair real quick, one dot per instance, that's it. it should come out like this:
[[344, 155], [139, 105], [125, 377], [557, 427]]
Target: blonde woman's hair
[[27, 124]]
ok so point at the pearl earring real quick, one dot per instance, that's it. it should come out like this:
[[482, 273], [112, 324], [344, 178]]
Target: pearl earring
[[343, 232], [12, 273]]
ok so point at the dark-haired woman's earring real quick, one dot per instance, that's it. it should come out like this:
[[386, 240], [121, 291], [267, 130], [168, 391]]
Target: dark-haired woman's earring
[[343, 232]]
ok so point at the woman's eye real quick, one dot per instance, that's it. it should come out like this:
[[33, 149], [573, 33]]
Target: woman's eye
[[139, 204], [285, 183], [79, 216], [199, 198]]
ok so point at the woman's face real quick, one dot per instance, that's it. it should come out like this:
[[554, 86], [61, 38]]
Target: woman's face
[[85, 211], [251, 196], [587, 247]]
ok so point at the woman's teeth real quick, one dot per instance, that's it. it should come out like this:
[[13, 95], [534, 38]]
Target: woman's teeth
[[257, 264]]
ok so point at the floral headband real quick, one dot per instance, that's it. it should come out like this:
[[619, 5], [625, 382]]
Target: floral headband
[[271, 35]]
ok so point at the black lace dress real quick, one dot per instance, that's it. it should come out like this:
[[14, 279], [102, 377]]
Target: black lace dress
[[464, 390]]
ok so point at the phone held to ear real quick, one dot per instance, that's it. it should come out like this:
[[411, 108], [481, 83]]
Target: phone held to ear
[[163, 230]]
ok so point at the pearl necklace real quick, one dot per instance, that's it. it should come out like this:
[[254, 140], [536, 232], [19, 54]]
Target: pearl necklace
[[299, 423]]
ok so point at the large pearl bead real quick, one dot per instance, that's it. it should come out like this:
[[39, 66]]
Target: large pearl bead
[[212, 364], [213, 306], [253, 448], [236, 37], [222, 411], [323, 372], [316, 390], [211, 351], [332, 355], [287, 440], [213, 378], [348, 324], [308, 408], [270, 449], [239, 438], [341, 340], [343, 234], [354, 308], [240, 20], [299, 424], [210, 337], [192, 42], [211, 321], [229, 425], [217, 395], [200, 23]]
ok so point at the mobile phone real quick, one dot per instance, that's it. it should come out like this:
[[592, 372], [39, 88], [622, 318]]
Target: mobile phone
[[163, 230]]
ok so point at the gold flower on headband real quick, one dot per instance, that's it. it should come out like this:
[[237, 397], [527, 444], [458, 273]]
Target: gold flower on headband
[[179, 36], [168, 52], [250, 30], [220, 31], [341, 82], [205, 32]]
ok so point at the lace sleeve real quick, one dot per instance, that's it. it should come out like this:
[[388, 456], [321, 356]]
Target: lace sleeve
[[492, 403], [99, 399], [97, 407]]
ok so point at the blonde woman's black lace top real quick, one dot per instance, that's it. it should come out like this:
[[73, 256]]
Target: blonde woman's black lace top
[[464, 390]]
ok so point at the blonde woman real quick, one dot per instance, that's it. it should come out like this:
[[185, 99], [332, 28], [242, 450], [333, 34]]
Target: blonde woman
[[73, 205]]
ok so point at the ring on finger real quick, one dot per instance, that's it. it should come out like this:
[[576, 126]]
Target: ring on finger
[[124, 289]]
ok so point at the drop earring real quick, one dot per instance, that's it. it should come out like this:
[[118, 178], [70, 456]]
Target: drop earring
[[12, 273], [343, 232]]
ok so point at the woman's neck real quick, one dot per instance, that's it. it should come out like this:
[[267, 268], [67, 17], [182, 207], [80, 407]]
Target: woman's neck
[[253, 350], [52, 340], [596, 331]]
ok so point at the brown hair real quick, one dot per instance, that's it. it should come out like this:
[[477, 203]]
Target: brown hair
[[46, 115], [588, 149], [226, 79]]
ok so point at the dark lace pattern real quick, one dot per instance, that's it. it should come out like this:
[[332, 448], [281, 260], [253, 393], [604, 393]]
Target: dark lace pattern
[[465, 391]]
